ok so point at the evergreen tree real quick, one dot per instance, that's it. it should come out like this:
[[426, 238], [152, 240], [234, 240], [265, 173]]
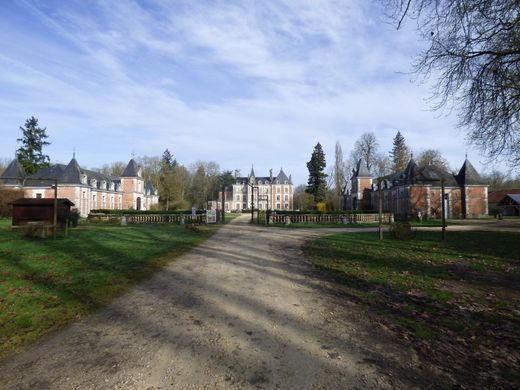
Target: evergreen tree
[[317, 184], [400, 153], [30, 154], [166, 178]]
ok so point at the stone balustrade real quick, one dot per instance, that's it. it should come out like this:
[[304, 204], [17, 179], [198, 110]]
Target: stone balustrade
[[330, 218]]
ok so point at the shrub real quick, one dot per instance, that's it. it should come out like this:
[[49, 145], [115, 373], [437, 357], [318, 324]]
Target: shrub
[[7, 196], [402, 230]]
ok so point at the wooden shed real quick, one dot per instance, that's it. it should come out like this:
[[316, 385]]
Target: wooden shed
[[40, 210]]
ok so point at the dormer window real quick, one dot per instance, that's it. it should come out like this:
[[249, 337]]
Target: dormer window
[[93, 182], [83, 179]]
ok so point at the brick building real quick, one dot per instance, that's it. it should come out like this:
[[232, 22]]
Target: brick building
[[87, 189], [417, 190], [268, 192]]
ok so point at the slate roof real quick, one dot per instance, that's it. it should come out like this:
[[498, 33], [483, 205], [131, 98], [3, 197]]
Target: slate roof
[[497, 196], [14, 169], [281, 177], [468, 175], [515, 198], [362, 169], [131, 170]]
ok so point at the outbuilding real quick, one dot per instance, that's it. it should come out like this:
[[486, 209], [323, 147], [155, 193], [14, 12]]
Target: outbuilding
[[510, 205], [40, 210]]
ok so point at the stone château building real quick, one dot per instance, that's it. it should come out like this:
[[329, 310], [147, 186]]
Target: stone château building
[[417, 191], [88, 190], [267, 192]]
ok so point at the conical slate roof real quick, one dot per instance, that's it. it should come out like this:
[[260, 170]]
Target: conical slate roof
[[362, 169], [14, 169], [468, 175], [72, 173], [131, 170], [252, 173], [410, 173]]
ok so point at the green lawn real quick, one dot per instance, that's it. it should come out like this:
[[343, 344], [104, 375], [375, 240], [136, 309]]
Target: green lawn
[[45, 284], [459, 300]]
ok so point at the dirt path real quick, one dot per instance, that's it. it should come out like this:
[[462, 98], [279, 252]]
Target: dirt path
[[243, 310]]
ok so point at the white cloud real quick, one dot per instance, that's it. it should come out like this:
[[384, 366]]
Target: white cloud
[[111, 78]]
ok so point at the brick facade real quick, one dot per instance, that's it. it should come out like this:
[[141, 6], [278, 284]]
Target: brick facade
[[417, 191]]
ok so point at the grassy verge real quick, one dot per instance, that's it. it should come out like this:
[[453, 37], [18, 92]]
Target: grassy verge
[[45, 284], [458, 300]]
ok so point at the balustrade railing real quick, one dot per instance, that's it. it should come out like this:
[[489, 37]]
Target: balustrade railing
[[331, 218]]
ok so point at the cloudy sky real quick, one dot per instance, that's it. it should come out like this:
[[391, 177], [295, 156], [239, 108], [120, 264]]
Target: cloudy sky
[[236, 82]]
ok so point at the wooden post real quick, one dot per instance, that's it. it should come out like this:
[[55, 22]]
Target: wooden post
[[443, 210], [380, 192], [223, 204], [55, 222]]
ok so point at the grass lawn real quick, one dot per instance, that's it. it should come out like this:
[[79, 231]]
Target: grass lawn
[[45, 284], [458, 300]]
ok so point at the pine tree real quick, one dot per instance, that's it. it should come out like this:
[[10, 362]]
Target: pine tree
[[30, 154], [166, 177], [317, 185], [400, 153]]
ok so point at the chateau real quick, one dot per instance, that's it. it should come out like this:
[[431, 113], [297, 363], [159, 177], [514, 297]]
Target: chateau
[[267, 192], [88, 190], [417, 191]]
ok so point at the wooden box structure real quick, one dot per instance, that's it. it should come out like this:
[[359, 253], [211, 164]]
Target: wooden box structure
[[40, 210]]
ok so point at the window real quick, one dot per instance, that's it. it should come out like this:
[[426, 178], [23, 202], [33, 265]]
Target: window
[[278, 205], [38, 195], [238, 206], [286, 189], [287, 206], [277, 197], [286, 198], [277, 190], [238, 197]]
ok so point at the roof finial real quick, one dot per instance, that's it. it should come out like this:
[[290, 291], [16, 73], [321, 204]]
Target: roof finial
[[411, 155], [466, 155], [74, 152], [132, 154]]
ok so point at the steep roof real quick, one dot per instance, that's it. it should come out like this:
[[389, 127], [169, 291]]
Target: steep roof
[[468, 175], [252, 173], [71, 174], [14, 169], [362, 169], [282, 177], [131, 170]]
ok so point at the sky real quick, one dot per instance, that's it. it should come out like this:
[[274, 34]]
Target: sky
[[242, 83]]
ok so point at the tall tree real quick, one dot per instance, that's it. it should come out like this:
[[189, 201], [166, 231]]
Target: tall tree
[[433, 157], [30, 154], [339, 175], [166, 178], [317, 184], [474, 53], [400, 153], [366, 149]]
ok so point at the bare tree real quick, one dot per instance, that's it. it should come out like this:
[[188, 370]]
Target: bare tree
[[339, 175], [433, 157], [366, 149], [474, 52]]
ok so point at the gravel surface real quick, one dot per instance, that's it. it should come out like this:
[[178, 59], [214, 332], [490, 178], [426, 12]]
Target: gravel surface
[[243, 310]]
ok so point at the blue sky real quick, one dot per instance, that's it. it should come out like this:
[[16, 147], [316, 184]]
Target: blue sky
[[238, 83]]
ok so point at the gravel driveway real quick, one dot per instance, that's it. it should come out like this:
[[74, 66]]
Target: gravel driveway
[[243, 310]]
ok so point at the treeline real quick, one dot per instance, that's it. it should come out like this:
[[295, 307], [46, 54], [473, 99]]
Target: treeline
[[180, 187]]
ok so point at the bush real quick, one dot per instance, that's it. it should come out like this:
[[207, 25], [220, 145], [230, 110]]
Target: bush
[[402, 230], [7, 196]]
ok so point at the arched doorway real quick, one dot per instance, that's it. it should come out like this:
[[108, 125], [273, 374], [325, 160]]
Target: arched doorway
[[138, 203]]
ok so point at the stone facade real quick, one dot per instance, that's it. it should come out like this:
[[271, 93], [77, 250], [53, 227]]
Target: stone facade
[[267, 193], [417, 191], [88, 190]]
